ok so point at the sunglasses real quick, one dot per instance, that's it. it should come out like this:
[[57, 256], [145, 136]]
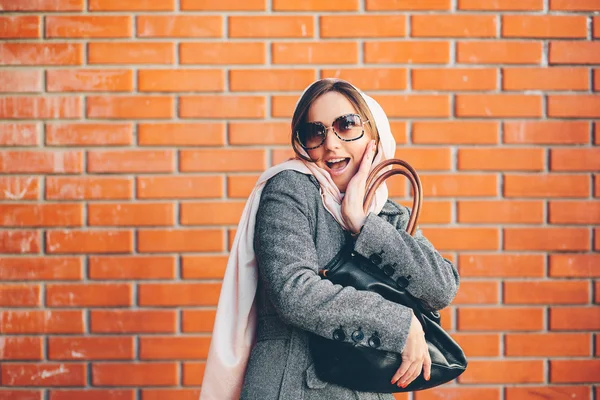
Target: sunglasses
[[347, 127]]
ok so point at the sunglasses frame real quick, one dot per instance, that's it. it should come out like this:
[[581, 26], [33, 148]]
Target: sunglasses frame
[[333, 129]]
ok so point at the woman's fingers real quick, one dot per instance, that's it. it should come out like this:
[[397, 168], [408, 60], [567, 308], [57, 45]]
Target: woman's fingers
[[427, 366], [410, 375], [401, 371], [367, 160]]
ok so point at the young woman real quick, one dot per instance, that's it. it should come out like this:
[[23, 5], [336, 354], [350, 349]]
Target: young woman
[[296, 220]]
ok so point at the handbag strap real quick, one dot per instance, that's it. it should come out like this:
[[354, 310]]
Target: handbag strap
[[406, 170]]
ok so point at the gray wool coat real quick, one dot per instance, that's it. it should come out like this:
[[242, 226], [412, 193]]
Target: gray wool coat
[[295, 236]]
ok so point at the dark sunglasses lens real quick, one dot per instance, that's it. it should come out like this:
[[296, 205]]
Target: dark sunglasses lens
[[311, 135], [348, 126]]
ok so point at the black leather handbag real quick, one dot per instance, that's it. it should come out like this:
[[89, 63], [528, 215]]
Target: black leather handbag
[[361, 366]]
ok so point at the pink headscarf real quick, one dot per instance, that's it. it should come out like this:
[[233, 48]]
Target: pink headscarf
[[234, 331]]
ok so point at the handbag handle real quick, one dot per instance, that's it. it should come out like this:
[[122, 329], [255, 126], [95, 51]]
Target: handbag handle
[[406, 170]]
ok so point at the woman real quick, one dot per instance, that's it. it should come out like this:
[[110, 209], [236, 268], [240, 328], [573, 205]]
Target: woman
[[302, 210]]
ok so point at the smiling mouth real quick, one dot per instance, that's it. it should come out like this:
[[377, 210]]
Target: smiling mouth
[[337, 164]]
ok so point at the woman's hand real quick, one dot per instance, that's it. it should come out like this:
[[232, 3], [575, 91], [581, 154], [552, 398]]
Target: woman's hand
[[352, 205], [414, 357]]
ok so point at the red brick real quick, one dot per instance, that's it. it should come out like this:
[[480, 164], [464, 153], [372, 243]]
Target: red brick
[[130, 161], [222, 160], [92, 394], [454, 132], [180, 348], [362, 26], [500, 212], [132, 5], [574, 265], [88, 188], [198, 321], [38, 321], [498, 52], [21, 348], [131, 267], [183, 240], [181, 394], [179, 26], [581, 5], [315, 5], [178, 294], [185, 80], [19, 242], [547, 392], [574, 212], [415, 105], [463, 393], [133, 321], [544, 26], [130, 107], [265, 133], [46, 374], [18, 394], [138, 374], [548, 185], [370, 78], [501, 265], [574, 371], [95, 241], [40, 268], [89, 80], [222, 107], [494, 159], [478, 345], [569, 106], [454, 79], [42, 5], [570, 52], [18, 134], [128, 214], [29, 215], [546, 292], [19, 26], [270, 80], [58, 162], [223, 5], [596, 72], [91, 348], [575, 318], [557, 78], [597, 186], [546, 239], [432, 25], [41, 53], [407, 52], [498, 105], [463, 238], [131, 53], [546, 132], [271, 26], [463, 185], [193, 373], [503, 371], [161, 187], [406, 5], [500, 5], [181, 134], [75, 134], [203, 267], [19, 295], [477, 292], [19, 188], [548, 345], [55, 107], [325, 52], [222, 53], [501, 319], [20, 81], [86, 26], [596, 27], [240, 186]]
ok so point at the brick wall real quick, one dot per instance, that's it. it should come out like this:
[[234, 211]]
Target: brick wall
[[133, 130]]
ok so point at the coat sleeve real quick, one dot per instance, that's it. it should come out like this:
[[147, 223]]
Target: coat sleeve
[[412, 261], [288, 265]]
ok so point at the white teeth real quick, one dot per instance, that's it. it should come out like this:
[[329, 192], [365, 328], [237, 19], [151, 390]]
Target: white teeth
[[334, 160]]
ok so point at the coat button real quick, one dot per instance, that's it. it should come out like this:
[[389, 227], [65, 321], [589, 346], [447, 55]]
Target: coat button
[[388, 270], [358, 335], [402, 282], [375, 259], [374, 341], [339, 335]]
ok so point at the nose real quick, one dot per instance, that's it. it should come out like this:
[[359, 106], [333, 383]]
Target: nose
[[331, 139]]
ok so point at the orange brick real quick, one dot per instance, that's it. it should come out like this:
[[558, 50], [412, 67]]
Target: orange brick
[[406, 5], [88, 188], [546, 132], [548, 344], [19, 188], [270, 80], [179, 187], [223, 53], [131, 268], [222, 107], [574, 266], [28, 215], [554, 391], [503, 371], [477, 292], [556, 78], [280, 155], [463, 393], [547, 239], [19, 295], [569, 106], [283, 106], [498, 105], [21, 348], [133, 321], [463, 238], [240, 186], [574, 318], [183, 80], [596, 27], [426, 159], [193, 372], [265, 133], [131, 53], [127, 214], [500, 5], [59, 162], [501, 319], [454, 132], [20, 81], [37, 321], [91, 348], [500, 212], [553, 185], [130, 107], [181, 348], [597, 186], [130, 161], [41, 268], [81, 241], [478, 345], [581, 5], [544, 26], [89, 295], [399, 131], [179, 294], [408, 52], [498, 52], [271, 26], [574, 371], [431, 25], [197, 321], [546, 292], [315, 5], [132, 5], [574, 212], [54, 107], [495, 159], [463, 185], [89, 134], [138, 374], [46, 374], [89, 80], [596, 77], [362, 26], [186, 394], [219, 213], [501, 265], [417, 105], [180, 240], [86, 26], [42, 5], [41, 53], [575, 159], [454, 79], [315, 53], [434, 212], [18, 134], [179, 26], [203, 267], [370, 78], [223, 5], [222, 160], [570, 52], [181, 134], [94, 394], [19, 26]]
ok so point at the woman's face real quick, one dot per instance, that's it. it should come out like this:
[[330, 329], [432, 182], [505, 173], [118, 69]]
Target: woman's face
[[341, 159]]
